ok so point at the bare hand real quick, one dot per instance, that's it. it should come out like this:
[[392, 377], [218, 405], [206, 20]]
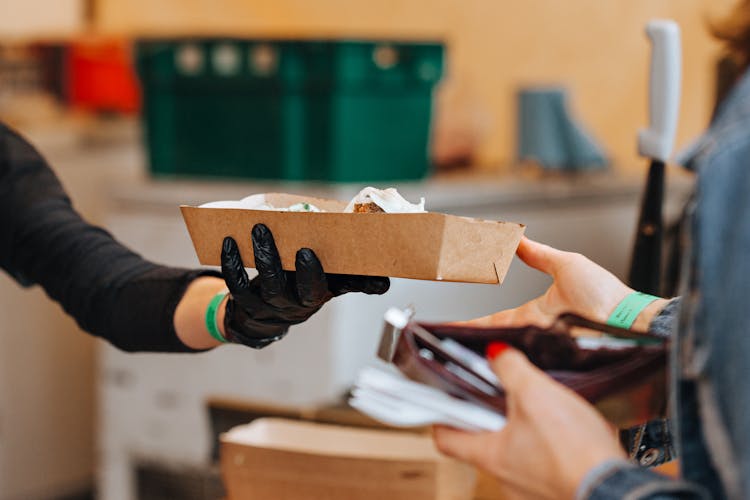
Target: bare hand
[[553, 437], [580, 286]]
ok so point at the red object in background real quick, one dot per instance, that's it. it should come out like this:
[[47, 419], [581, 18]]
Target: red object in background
[[101, 77]]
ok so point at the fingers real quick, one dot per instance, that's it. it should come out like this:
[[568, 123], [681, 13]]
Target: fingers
[[526, 314], [466, 446], [312, 285], [232, 267], [512, 368], [508, 317], [340, 284], [268, 264], [540, 256], [499, 319]]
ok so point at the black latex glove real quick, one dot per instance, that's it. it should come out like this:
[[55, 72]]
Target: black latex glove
[[260, 311]]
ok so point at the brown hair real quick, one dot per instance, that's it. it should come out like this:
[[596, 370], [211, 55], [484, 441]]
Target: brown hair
[[735, 31]]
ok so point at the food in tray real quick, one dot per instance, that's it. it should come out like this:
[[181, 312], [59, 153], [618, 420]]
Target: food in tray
[[367, 208], [369, 200], [372, 200]]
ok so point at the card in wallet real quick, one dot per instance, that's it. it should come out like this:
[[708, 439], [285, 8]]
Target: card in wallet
[[621, 372]]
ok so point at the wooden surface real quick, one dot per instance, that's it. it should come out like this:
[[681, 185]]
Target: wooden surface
[[596, 48]]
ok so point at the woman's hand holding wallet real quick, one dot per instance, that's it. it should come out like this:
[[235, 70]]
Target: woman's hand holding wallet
[[552, 438]]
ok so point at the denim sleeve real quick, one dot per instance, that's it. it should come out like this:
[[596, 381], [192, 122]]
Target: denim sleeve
[[665, 323], [621, 479]]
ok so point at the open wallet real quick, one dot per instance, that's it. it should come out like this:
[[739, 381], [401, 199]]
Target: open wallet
[[621, 372]]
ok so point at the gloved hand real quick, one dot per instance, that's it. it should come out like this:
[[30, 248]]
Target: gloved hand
[[260, 311]]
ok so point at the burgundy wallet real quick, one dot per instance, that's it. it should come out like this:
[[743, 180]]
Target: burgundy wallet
[[627, 381]]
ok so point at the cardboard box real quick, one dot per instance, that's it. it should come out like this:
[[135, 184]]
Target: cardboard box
[[281, 459], [427, 246]]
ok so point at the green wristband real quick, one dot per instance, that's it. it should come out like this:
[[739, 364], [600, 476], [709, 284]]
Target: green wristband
[[629, 308], [211, 325]]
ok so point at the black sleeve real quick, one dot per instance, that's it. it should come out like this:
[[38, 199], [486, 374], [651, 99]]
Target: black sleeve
[[110, 291]]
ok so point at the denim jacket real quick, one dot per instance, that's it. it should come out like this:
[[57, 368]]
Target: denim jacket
[[710, 325]]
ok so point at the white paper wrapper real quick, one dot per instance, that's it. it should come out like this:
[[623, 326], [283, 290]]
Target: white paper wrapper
[[258, 202], [388, 199]]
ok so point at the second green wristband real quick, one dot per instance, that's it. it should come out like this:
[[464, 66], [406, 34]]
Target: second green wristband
[[629, 308]]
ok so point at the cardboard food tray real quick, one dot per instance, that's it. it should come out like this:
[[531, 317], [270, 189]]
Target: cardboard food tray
[[426, 246], [281, 459]]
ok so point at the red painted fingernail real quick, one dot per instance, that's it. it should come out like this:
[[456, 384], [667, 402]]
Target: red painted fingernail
[[495, 349]]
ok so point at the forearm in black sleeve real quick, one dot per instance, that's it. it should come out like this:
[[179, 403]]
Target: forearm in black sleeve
[[110, 291]]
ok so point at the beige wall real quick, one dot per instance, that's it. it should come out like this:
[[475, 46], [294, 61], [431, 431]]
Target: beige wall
[[595, 47], [46, 397], [45, 18]]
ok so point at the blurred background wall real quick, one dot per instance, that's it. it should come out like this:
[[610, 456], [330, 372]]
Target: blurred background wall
[[597, 49]]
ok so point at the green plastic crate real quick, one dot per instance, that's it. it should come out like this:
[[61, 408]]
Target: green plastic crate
[[369, 107], [209, 111], [353, 111]]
